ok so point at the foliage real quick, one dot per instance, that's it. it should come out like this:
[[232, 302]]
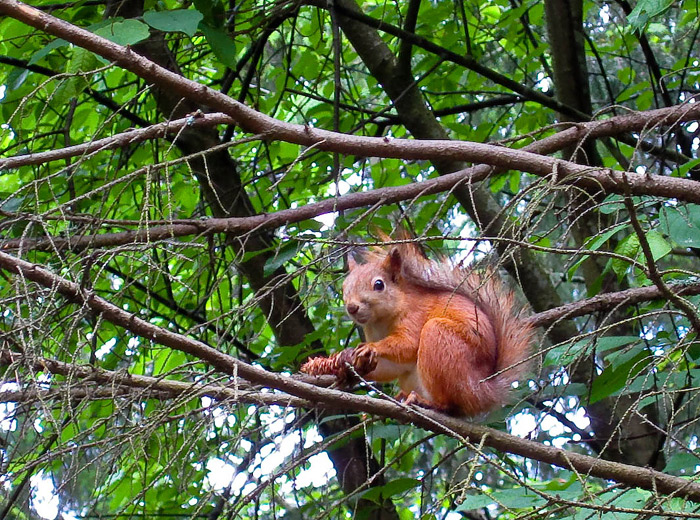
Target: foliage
[[617, 382]]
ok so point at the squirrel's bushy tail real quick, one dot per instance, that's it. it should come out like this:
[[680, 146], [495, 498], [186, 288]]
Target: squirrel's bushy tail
[[513, 334]]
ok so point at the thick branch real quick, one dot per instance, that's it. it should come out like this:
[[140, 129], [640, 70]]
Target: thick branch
[[256, 122], [608, 301], [466, 61], [333, 399], [220, 361], [116, 383]]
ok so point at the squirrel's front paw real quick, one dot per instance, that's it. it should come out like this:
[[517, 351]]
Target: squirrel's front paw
[[364, 359]]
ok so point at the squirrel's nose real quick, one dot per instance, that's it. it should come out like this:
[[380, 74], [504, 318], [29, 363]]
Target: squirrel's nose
[[352, 308]]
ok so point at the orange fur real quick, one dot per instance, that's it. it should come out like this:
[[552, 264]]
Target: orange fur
[[453, 340]]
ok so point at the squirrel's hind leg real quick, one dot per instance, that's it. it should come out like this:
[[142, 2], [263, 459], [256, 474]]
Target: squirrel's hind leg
[[414, 398], [453, 357]]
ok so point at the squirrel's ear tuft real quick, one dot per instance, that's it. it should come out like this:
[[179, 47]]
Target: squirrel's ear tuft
[[352, 263], [393, 263]]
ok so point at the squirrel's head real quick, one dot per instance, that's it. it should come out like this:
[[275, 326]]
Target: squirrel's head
[[372, 290]]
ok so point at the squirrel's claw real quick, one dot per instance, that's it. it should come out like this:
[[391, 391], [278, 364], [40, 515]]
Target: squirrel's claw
[[364, 359], [414, 398]]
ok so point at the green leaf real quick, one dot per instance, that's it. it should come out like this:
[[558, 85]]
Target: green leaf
[[68, 89], [475, 502], [562, 482], [617, 375], [594, 244], [221, 44], [683, 169], [282, 358], [693, 351], [389, 431], [658, 245], [284, 255], [10, 203], [682, 224], [682, 463], [612, 342], [16, 78], [182, 20], [497, 182], [626, 75], [491, 12], [168, 360], [395, 487], [398, 486], [9, 182], [213, 10], [629, 247], [81, 61], [47, 49], [515, 179], [309, 67], [186, 196], [518, 498], [124, 32], [612, 204], [563, 355], [644, 10], [631, 498]]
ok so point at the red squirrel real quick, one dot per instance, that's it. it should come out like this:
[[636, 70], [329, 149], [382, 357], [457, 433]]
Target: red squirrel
[[453, 339]]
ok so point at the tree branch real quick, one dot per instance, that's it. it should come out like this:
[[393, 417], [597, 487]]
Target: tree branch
[[256, 122], [130, 137], [323, 398], [606, 301], [466, 61]]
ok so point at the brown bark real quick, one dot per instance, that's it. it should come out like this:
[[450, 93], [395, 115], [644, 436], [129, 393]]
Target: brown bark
[[606, 415], [476, 199], [276, 295], [621, 433], [469, 433]]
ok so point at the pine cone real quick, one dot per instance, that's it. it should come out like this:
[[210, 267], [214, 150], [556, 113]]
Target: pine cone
[[337, 364], [322, 366]]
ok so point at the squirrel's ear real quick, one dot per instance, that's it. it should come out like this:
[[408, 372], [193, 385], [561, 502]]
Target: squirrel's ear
[[352, 263], [393, 263]]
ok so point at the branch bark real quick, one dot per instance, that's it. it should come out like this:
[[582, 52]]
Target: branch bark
[[323, 398], [258, 123], [468, 433]]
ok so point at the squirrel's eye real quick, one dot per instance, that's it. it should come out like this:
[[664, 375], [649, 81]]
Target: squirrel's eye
[[378, 285]]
